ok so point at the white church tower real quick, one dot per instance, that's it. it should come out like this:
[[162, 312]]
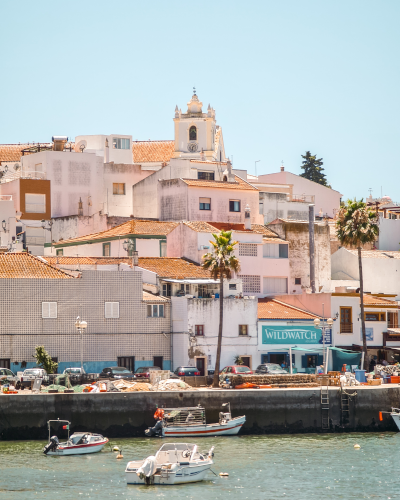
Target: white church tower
[[197, 136]]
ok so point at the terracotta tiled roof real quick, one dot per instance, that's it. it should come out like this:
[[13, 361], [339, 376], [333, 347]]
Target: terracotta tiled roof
[[87, 261], [152, 151], [212, 162], [239, 184], [149, 297], [13, 152], [133, 226], [24, 265], [275, 309], [173, 268], [376, 254], [259, 228], [373, 300], [201, 227], [212, 227]]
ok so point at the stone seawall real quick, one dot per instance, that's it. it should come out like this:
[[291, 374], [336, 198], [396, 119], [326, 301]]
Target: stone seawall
[[277, 411]]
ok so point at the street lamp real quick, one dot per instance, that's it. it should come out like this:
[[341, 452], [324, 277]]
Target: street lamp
[[317, 324], [80, 326]]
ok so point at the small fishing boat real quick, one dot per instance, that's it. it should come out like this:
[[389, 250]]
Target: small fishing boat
[[191, 422], [79, 443], [395, 414], [174, 463]]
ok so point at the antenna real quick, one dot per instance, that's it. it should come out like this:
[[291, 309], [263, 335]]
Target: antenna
[[370, 192], [194, 90]]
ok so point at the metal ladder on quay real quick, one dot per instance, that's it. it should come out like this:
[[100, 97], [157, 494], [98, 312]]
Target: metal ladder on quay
[[344, 407], [325, 408]]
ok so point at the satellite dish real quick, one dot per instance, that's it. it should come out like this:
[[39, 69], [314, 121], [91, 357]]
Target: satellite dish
[[80, 146]]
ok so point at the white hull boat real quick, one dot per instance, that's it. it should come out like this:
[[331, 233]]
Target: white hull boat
[[191, 422], [173, 464], [395, 413], [79, 443]]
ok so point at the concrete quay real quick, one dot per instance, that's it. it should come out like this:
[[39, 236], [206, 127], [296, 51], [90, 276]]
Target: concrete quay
[[274, 411]]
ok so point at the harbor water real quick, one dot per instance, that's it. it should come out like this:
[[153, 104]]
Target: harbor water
[[299, 467]]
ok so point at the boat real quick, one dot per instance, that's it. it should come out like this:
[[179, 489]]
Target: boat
[[395, 414], [79, 443], [191, 422], [174, 463]]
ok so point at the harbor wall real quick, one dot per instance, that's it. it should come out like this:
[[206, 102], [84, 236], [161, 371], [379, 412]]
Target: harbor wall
[[277, 411]]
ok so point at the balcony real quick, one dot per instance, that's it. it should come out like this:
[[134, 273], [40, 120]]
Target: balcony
[[346, 327], [303, 198]]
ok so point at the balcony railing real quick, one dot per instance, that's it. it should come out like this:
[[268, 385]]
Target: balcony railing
[[303, 198], [346, 327]]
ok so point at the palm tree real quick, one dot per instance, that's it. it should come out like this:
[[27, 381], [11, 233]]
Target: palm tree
[[221, 262], [356, 226]]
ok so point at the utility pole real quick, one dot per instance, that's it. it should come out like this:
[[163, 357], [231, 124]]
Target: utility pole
[[312, 246]]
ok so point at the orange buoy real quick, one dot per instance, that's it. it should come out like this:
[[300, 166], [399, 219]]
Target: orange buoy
[[380, 416], [159, 414]]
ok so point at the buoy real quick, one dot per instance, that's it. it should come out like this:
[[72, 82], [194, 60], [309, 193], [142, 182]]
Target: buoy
[[357, 446], [223, 474], [115, 448], [120, 456]]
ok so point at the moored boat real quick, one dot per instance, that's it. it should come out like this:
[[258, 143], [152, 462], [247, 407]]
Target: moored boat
[[174, 463], [191, 422], [395, 414], [79, 443]]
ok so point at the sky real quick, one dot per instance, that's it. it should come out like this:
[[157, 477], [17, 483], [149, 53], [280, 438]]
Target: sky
[[284, 77]]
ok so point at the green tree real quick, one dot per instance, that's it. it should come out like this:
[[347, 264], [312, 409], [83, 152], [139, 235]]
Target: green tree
[[313, 170], [221, 262], [43, 359], [357, 225]]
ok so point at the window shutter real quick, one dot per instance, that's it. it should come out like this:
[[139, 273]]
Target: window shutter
[[108, 310], [115, 309], [52, 309], [320, 359], [304, 361], [161, 310], [45, 310], [283, 251], [148, 310]]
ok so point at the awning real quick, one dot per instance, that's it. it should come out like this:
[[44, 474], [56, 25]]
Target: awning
[[193, 282]]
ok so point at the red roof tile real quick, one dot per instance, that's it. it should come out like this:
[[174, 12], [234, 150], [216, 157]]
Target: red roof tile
[[24, 265], [152, 151], [173, 268], [275, 309], [239, 184]]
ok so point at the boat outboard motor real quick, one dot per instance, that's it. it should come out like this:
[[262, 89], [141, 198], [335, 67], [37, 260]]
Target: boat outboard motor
[[52, 446], [156, 430]]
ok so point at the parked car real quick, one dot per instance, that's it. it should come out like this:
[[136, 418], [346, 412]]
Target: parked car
[[187, 371], [144, 371], [271, 369], [236, 370], [75, 374], [116, 372], [6, 373], [31, 374]]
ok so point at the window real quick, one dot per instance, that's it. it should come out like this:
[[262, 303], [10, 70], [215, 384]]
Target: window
[[199, 330], [60, 252], [232, 286], [6, 362], [193, 133], [379, 316], [251, 283], [106, 249], [35, 203], [127, 362], [234, 205], [34, 236], [49, 310], [393, 320], [346, 322], [206, 176], [247, 250], [185, 288], [118, 188], [163, 248], [119, 143], [297, 281], [275, 251], [275, 285], [243, 330], [166, 289], [111, 310], [205, 203], [155, 310]]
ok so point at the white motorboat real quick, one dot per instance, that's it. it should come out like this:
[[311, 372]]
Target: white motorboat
[[395, 413], [174, 463], [191, 422], [79, 443]]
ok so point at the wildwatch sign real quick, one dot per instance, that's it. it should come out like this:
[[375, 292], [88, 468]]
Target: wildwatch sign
[[294, 335]]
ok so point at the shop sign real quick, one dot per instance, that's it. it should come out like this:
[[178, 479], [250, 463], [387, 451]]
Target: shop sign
[[294, 335]]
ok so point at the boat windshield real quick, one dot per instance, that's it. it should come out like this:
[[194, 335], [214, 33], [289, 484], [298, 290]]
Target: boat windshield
[[176, 446]]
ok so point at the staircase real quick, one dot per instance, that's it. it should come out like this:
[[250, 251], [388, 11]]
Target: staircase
[[325, 408]]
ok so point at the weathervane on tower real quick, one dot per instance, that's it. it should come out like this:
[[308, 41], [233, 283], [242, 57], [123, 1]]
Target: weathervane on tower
[[194, 91]]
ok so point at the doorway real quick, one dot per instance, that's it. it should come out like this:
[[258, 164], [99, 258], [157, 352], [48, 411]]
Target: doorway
[[246, 361], [158, 361], [127, 362], [201, 365], [5, 363]]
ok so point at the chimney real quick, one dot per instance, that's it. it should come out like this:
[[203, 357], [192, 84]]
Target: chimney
[[59, 142], [311, 219], [80, 207], [282, 168], [247, 219]]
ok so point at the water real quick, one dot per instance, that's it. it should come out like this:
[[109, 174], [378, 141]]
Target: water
[[298, 467]]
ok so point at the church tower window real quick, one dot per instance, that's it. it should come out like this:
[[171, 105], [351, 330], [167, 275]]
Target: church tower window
[[193, 133]]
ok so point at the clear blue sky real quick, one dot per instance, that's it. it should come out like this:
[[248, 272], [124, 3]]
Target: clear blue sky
[[283, 76]]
